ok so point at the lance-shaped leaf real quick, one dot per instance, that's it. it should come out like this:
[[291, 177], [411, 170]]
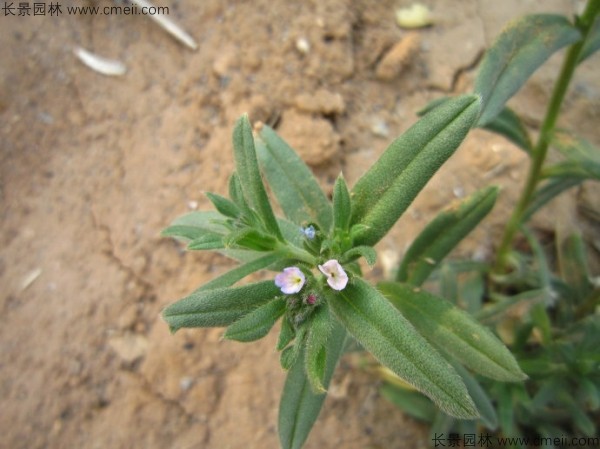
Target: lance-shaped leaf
[[454, 331], [442, 235], [248, 172], [209, 240], [316, 348], [341, 204], [220, 306], [249, 238], [300, 406], [240, 272], [508, 124], [237, 194], [292, 182], [194, 224], [286, 334], [384, 332], [551, 189], [291, 232], [582, 157], [257, 323], [224, 205], [480, 398], [368, 252], [523, 46], [384, 192]]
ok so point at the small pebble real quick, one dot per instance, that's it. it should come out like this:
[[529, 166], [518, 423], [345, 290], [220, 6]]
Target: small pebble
[[416, 15], [186, 383], [458, 191], [380, 128], [302, 45]]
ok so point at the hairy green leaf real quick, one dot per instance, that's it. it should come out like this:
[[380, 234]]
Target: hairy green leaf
[[194, 224], [480, 398], [547, 192], [316, 348], [299, 406], [247, 169], [383, 331], [292, 182], [256, 324], [249, 238], [386, 190], [290, 355], [582, 157], [240, 272], [442, 235], [454, 331], [218, 307], [291, 232], [237, 194], [286, 334], [223, 205], [206, 241], [183, 232], [342, 211], [523, 46], [368, 252], [509, 125]]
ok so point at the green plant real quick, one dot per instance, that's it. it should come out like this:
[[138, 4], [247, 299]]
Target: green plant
[[318, 291], [543, 298]]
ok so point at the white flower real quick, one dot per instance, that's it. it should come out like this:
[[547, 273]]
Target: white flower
[[290, 280], [336, 276]]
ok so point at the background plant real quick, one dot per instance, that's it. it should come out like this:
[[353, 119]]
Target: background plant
[[545, 299]]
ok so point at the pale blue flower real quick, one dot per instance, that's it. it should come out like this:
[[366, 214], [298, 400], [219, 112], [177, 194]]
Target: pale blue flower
[[309, 232]]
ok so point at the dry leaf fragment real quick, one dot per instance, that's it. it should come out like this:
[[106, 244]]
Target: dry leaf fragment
[[105, 66]]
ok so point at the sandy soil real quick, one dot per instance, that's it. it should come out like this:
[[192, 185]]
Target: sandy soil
[[93, 167]]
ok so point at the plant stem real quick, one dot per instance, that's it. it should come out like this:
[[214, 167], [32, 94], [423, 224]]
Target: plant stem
[[540, 150], [293, 252]]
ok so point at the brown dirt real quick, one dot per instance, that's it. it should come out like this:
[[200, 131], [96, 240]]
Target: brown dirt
[[93, 167]]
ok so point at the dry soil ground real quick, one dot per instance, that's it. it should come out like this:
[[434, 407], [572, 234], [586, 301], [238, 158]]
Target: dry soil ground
[[92, 167]]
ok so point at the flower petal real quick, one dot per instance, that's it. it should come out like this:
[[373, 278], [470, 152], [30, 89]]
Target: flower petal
[[336, 276], [290, 280]]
